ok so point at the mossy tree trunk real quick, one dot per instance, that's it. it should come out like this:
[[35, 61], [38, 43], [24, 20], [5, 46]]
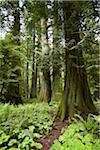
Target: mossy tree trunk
[[56, 89], [77, 98], [45, 92]]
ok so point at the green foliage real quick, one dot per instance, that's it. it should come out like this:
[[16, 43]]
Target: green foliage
[[10, 67], [21, 126], [91, 59], [80, 136], [54, 104]]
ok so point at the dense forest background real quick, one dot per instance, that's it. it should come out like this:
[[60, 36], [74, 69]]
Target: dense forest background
[[49, 69], [48, 50]]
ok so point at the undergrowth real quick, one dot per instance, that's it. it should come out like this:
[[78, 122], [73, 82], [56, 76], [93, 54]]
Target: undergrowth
[[21, 126], [81, 135]]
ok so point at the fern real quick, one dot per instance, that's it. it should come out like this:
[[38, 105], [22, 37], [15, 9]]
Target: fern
[[80, 136], [24, 124]]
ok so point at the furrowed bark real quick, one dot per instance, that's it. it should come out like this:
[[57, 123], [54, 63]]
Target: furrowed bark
[[77, 98], [34, 72], [56, 92]]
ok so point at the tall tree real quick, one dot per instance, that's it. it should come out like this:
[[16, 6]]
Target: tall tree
[[34, 71], [77, 96], [46, 79], [34, 27], [27, 72], [56, 53]]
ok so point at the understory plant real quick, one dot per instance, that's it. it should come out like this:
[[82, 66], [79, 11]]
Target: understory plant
[[81, 135], [21, 126]]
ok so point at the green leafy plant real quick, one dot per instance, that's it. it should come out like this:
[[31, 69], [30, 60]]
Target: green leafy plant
[[79, 136], [21, 126]]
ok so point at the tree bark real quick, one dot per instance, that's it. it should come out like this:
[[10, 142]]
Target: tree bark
[[34, 82], [45, 93], [27, 75], [34, 72], [56, 56], [77, 98]]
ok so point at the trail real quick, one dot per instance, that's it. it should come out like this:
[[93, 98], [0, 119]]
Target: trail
[[54, 134]]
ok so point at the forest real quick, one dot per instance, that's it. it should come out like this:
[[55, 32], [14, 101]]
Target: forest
[[49, 75]]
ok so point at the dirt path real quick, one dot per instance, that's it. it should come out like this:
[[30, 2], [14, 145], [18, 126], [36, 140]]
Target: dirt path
[[54, 134]]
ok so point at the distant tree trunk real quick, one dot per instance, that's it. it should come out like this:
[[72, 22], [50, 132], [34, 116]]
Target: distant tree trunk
[[34, 72], [46, 72], [77, 96], [34, 82], [13, 92], [27, 76], [38, 61], [39, 84], [56, 55], [45, 92]]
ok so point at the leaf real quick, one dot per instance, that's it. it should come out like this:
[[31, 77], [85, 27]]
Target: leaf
[[38, 145], [4, 148], [27, 133], [36, 135], [12, 142], [87, 138], [31, 128], [56, 146]]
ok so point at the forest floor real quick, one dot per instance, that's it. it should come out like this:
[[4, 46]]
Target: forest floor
[[55, 132], [36, 126]]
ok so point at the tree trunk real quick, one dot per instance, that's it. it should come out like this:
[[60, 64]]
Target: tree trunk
[[56, 56], [34, 82], [77, 98], [27, 78], [34, 71], [45, 93]]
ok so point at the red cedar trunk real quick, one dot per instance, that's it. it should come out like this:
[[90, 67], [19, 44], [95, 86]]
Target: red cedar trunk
[[47, 86], [45, 92], [27, 75], [27, 78], [46, 73], [77, 98], [34, 81], [34, 72], [56, 56]]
